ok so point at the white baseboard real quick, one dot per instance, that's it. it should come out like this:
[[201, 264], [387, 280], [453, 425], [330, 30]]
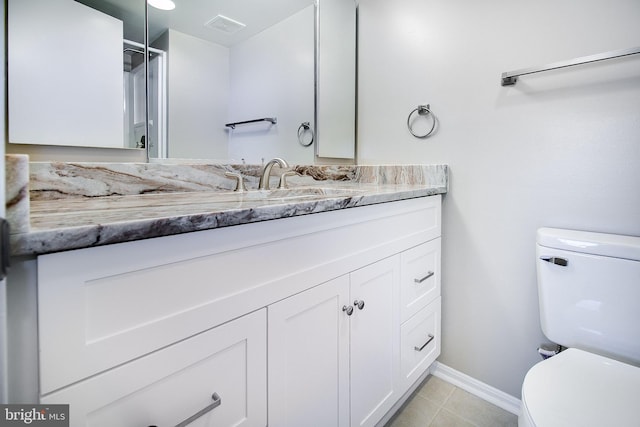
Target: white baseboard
[[477, 388]]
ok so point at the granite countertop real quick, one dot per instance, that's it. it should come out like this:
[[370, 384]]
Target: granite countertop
[[67, 223]]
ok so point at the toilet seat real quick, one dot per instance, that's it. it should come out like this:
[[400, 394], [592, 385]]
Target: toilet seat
[[577, 388]]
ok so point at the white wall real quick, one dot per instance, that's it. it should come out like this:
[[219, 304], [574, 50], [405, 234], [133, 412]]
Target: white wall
[[559, 149], [272, 75]]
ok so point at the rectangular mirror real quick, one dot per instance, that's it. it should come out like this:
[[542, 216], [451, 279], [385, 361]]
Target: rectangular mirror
[[212, 63], [336, 79]]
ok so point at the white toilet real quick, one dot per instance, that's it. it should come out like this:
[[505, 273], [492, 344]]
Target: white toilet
[[589, 294]]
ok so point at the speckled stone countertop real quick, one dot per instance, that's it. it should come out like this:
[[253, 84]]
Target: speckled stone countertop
[[81, 205]]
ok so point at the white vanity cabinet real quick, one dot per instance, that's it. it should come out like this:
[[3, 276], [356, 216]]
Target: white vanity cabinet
[[311, 314], [334, 349]]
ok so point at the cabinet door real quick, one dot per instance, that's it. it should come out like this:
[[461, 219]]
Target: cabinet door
[[375, 341], [308, 357], [225, 365]]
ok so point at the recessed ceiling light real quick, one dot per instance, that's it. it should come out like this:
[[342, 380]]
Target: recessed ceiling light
[[162, 4]]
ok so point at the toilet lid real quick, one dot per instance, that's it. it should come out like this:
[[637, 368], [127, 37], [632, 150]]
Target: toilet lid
[[577, 388]]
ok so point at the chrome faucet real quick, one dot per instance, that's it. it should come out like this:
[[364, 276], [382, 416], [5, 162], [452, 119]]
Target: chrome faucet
[[266, 172]]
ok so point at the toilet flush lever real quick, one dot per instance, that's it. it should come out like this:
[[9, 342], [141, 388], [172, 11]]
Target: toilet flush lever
[[563, 262]]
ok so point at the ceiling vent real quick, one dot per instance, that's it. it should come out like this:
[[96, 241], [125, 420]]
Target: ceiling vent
[[224, 24]]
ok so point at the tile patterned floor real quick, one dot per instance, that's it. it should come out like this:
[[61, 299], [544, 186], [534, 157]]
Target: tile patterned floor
[[437, 403]]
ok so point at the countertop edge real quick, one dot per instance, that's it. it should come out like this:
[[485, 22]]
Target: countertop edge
[[39, 242]]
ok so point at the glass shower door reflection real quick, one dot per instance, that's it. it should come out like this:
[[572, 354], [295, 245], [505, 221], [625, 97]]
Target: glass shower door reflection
[[134, 99]]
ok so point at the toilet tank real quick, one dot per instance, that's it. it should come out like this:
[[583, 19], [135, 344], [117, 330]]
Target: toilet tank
[[589, 291]]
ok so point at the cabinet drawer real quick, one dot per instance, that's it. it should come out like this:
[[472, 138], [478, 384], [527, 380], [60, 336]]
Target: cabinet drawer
[[420, 277], [172, 384], [418, 349]]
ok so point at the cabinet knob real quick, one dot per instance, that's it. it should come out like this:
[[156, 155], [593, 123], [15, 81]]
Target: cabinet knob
[[347, 309], [359, 304]]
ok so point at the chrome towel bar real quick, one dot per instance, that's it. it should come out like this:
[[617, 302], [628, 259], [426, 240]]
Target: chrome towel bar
[[510, 78], [273, 121]]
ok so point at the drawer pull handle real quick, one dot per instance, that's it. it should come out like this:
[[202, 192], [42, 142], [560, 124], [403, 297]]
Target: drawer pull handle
[[216, 402], [359, 304], [347, 309], [429, 274], [416, 348]]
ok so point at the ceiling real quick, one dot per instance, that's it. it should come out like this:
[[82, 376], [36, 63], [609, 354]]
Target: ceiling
[[190, 17]]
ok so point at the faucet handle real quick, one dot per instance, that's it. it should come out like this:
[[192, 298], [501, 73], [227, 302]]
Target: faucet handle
[[240, 187], [283, 179]]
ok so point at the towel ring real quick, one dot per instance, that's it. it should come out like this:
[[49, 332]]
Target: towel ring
[[422, 110], [302, 129]]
